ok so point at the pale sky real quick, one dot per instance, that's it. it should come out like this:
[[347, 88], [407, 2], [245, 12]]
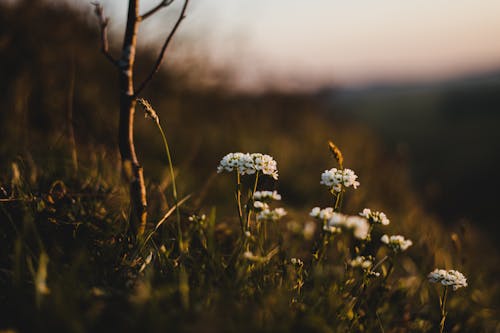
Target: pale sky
[[309, 43]]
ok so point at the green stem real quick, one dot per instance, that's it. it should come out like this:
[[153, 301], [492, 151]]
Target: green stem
[[238, 200], [338, 201], [443, 309], [250, 201], [174, 186]]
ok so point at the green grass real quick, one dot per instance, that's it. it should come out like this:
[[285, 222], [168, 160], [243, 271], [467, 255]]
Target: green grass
[[68, 264]]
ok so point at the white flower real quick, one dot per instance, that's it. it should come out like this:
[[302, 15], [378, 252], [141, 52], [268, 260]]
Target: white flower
[[296, 261], [335, 221], [266, 195], [336, 179], [322, 214], [375, 217], [359, 225], [331, 229], [247, 164], [259, 205], [397, 242], [309, 229], [362, 262], [315, 212], [448, 278], [271, 214], [266, 164]]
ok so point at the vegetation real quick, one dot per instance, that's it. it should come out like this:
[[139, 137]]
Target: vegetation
[[222, 261]]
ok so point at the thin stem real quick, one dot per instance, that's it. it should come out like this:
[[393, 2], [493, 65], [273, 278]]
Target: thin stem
[[238, 200], [338, 201], [159, 60], [250, 201], [380, 262], [162, 4], [103, 25], [442, 304], [174, 186]]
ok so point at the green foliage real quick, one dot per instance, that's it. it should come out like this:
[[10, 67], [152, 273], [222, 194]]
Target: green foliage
[[68, 264]]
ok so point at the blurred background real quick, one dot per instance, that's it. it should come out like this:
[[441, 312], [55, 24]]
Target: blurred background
[[409, 91]]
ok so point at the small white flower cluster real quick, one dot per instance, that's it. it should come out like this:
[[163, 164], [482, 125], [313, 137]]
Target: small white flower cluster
[[335, 221], [271, 214], [322, 214], [335, 179], [365, 263], [362, 262], [264, 212], [259, 205], [375, 217], [266, 195], [296, 261], [448, 278], [248, 164], [325, 215], [397, 242]]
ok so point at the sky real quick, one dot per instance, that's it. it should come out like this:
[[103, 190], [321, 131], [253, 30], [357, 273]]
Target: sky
[[304, 45]]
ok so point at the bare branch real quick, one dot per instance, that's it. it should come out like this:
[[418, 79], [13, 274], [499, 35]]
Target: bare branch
[[159, 60], [162, 4], [103, 23]]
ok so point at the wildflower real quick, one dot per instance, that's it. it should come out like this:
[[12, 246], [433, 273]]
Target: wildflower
[[362, 262], [330, 229], [266, 195], [365, 263], [296, 261], [247, 164], [336, 179], [259, 205], [448, 278], [375, 217], [266, 164], [359, 225], [322, 214], [271, 215], [397, 242]]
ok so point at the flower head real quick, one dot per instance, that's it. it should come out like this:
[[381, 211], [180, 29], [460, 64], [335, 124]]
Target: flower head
[[259, 205], [448, 278], [362, 262], [322, 214], [149, 112], [397, 242], [247, 164], [336, 221], [271, 214], [336, 179], [266, 195], [375, 217]]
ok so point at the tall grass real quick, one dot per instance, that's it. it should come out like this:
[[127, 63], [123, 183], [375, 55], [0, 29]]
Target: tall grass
[[69, 265]]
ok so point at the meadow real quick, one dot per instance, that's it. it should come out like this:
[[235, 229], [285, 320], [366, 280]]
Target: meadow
[[272, 213]]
